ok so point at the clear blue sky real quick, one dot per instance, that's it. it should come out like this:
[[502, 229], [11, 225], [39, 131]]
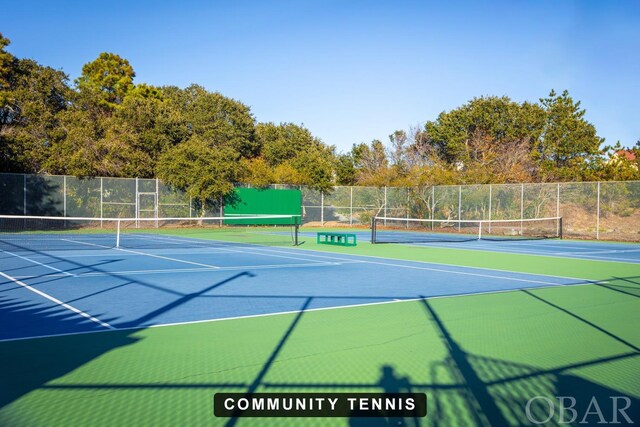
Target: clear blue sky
[[354, 71]]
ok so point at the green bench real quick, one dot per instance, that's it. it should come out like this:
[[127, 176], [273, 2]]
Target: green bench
[[338, 239]]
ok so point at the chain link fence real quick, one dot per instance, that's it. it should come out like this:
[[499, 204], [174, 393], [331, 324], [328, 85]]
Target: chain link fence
[[590, 210]]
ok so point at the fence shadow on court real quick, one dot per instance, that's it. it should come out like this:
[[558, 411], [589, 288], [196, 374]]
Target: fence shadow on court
[[29, 364]]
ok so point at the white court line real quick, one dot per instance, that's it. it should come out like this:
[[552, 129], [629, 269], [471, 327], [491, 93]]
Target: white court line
[[601, 258], [87, 243], [340, 307], [167, 258], [171, 251], [346, 257], [243, 250], [149, 255], [39, 263], [196, 270], [611, 251], [57, 301], [540, 250], [506, 250], [465, 273]]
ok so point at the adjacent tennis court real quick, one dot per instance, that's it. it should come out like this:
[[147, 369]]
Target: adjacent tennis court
[[141, 321]]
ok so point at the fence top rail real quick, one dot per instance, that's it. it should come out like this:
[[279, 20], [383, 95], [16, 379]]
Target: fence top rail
[[194, 218], [345, 186]]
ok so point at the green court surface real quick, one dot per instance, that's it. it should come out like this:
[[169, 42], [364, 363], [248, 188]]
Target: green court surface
[[479, 358]]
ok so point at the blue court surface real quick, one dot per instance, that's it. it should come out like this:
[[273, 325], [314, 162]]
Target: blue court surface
[[589, 250], [69, 291]]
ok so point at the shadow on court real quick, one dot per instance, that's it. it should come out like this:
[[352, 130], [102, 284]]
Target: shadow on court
[[30, 364], [462, 388]]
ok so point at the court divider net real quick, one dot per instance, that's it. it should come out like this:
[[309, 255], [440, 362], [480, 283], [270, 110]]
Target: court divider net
[[414, 230]]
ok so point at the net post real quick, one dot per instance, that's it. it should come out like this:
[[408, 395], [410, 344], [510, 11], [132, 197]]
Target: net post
[[117, 233], [560, 228], [480, 230], [373, 230]]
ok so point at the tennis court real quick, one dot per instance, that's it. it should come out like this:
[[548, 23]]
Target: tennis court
[[144, 331]]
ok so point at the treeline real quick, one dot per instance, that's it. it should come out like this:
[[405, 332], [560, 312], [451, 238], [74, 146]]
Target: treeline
[[104, 124]]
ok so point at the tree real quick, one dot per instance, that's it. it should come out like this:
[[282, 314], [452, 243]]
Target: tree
[[109, 78], [499, 119], [204, 171], [258, 173], [30, 115], [621, 164], [215, 118], [284, 142], [569, 145], [296, 156], [372, 164], [345, 170], [6, 59], [316, 168]]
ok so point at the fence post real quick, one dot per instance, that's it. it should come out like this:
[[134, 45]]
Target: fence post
[[137, 207], [459, 206], [64, 195], [351, 205], [101, 198], [24, 193], [433, 204], [521, 207], [408, 204], [558, 209], [598, 214], [385, 205], [156, 208], [490, 197], [322, 208]]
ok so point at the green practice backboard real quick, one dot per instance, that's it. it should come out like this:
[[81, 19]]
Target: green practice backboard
[[256, 201]]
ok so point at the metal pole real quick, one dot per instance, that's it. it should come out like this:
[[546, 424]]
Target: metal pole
[[137, 205], [64, 195], [521, 207], [490, 197], [24, 194], [351, 206], [322, 208], [459, 206], [101, 209], [156, 207], [385, 205], [558, 227], [598, 214], [433, 204], [408, 205]]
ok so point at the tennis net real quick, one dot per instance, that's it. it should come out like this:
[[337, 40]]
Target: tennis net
[[412, 230], [41, 233]]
